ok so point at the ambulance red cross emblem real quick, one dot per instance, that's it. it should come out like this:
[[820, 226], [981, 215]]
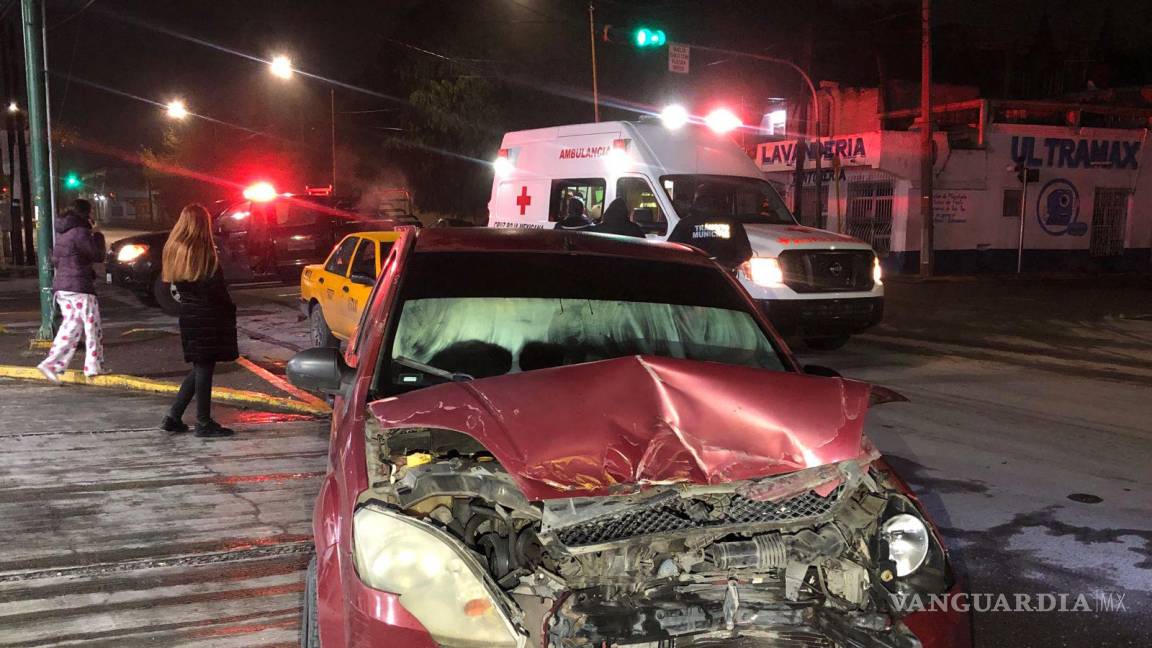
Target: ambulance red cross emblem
[[523, 200]]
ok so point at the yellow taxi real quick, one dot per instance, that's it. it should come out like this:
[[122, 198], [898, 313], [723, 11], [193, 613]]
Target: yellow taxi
[[334, 293]]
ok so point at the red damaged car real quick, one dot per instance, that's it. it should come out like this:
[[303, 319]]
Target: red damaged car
[[566, 440]]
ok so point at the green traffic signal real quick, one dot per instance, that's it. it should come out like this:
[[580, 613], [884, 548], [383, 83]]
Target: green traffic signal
[[71, 181], [645, 37]]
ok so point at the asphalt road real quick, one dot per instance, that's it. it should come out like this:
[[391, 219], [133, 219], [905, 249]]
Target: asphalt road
[[1000, 453], [1037, 473]]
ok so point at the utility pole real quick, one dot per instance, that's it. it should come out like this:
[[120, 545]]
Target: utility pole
[[12, 124], [31, 12], [926, 215], [332, 96], [592, 40]]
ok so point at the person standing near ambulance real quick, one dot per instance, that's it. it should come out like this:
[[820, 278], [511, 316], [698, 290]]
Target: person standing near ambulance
[[78, 247]]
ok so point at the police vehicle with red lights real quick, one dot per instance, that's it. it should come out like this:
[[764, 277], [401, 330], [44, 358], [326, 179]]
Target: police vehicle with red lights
[[267, 236], [817, 284]]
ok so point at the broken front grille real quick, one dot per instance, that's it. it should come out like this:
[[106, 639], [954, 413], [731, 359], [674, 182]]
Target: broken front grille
[[696, 512], [811, 271]]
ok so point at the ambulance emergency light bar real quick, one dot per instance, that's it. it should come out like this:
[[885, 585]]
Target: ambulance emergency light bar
[[719, 121], [260, 192]]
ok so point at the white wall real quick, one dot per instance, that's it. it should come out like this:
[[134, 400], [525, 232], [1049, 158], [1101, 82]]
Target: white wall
[[969, 186]]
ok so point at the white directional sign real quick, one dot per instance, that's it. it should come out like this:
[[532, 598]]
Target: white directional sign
[[678, 58]]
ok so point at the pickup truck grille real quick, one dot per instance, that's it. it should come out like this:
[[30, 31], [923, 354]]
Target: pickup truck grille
[[697, 512], [814, 271]]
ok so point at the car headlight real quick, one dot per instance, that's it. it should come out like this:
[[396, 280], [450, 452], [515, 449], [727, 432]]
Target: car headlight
[[131, 252], [764, 272], [877, 273], [907, 539], [436, 578]]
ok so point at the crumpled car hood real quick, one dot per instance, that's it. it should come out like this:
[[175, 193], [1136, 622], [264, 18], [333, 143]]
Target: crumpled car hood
[[606, 427]]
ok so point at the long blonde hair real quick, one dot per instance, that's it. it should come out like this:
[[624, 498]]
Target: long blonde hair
[[189, 254]]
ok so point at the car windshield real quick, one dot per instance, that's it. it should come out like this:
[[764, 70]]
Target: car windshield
[[748, 200], [476, 315]]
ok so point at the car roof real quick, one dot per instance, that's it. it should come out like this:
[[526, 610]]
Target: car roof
[[378, 236], [485, 239]]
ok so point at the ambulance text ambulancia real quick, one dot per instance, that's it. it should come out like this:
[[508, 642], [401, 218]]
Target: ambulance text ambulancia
[[820, 285]]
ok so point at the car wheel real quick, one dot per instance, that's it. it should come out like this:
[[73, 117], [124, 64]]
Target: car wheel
[[162, 293], [826, 343], [309, 615], [321, 334]]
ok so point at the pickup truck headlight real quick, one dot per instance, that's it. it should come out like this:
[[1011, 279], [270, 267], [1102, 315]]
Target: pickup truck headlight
[[437, 580], [908, 543], [877, 273], [764, 272], [131, 252]]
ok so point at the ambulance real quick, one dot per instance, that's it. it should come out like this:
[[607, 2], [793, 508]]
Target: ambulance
[[815, 284]]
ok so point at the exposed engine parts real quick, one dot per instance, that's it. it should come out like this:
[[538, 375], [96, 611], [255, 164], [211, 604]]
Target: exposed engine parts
[[775, 550], [695, 563]]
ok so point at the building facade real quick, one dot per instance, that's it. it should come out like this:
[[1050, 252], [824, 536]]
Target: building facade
[[1085, 205]]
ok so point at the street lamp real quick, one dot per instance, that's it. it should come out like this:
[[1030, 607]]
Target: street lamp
[[177, 109], [281, 67], [13, 107]]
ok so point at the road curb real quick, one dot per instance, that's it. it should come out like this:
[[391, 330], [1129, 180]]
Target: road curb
[[134, 383]]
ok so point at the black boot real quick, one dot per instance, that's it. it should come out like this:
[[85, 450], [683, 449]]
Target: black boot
[[173, 425], [212, 429]]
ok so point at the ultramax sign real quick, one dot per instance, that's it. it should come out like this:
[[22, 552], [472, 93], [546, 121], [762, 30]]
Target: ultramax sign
[[1071, 168], [1068, 153]]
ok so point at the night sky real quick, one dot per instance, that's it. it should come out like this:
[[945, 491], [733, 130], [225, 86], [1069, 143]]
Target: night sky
[[105, 52]]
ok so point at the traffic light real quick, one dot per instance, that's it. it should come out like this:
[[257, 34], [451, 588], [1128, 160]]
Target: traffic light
[[641, 37], [646, 37], [72, 181]]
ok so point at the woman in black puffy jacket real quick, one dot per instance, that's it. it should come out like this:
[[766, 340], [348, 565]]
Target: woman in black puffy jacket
[[207, 317]]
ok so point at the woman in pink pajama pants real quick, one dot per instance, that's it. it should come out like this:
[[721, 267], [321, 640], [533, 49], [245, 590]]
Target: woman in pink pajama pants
[[77, 249]]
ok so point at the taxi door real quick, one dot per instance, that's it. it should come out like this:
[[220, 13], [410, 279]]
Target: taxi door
[[333, 285], [355, 293]]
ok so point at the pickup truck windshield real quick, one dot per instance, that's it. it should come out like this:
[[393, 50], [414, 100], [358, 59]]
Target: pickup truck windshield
[[748, 200], [478, 315]]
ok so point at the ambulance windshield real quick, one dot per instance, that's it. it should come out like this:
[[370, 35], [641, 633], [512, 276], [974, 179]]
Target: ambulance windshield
[[748, 200]]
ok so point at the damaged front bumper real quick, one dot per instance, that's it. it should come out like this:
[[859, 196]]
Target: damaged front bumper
[[783, 561]]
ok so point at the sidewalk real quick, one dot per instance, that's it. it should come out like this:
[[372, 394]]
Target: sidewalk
[[1093, 323], [142, 347], [118, 534]]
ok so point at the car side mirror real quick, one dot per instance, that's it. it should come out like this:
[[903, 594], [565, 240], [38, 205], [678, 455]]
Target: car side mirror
[[821, 370], [363, 280], [321, 369]]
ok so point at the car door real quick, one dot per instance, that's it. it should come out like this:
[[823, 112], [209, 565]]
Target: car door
[[233, 232], [333, 285], [373, 321], [361, 278], [300, 235]]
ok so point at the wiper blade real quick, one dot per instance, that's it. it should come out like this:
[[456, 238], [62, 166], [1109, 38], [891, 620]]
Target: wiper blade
[[433, 371]]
